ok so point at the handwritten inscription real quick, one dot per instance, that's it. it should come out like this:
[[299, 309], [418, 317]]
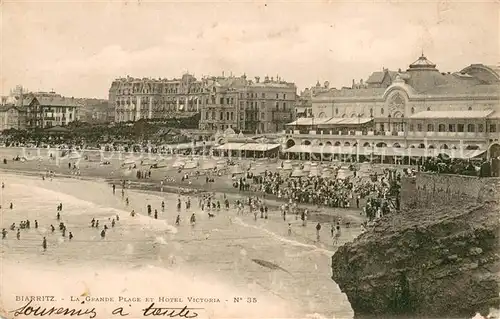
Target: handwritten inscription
[[164, 308], [38, 311], [184, 312]]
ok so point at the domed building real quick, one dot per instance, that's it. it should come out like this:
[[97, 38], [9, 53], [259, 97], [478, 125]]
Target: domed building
[[422, 87], [420, 108]]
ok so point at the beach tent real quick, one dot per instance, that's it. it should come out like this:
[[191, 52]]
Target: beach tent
[[179, 163], [236, 170], [298, 173], [307, 167], [344, 173], [128, 162], [191, 165], [326, 173], [314, 170], [149, 162], [208, 165], [287, 165], [221, 164]]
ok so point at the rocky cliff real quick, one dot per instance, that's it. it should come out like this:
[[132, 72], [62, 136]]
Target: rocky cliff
[[427, 261]]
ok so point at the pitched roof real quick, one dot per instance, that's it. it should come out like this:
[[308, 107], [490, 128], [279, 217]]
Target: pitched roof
[[57, 101], [458, 89], [376, 77], [354, 93], [7, 107]]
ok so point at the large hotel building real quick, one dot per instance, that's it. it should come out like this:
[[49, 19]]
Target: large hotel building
[[225, 102], [414, 113], [394, 116]]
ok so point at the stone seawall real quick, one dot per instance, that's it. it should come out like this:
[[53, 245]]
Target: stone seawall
[[430, 190]]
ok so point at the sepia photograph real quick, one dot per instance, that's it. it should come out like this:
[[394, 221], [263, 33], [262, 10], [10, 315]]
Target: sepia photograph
[[249, 159]]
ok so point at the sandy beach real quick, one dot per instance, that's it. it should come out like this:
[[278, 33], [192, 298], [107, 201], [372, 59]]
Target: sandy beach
[[219, 253]]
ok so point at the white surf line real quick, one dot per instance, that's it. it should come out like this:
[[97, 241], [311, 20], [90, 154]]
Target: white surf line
[[282, 239]]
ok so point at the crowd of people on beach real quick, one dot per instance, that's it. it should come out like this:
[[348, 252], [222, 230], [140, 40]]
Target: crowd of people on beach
[[444, 165], [327, 191]]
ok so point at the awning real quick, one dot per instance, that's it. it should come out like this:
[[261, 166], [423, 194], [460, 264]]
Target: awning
[[384, 151], [308, 121], [347, 121], [230, 146], [259, 147], [248, 147]]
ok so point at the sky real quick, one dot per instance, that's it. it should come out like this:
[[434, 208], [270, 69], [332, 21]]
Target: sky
[[78, 48]]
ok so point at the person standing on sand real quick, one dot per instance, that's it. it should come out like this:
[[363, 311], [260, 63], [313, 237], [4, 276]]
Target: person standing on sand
[[11, 206], [103, 234], [52, 228], [44, 244], [178, 220], [58, 216], [162, 206], [113, 223], [337, 235], [318, 228], [114, 189], [156, 214], [70, 235], [18, 235], [289, 229], [36, 223], [4, 233]]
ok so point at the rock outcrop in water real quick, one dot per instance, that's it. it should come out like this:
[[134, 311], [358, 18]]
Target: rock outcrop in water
[[427, 261]]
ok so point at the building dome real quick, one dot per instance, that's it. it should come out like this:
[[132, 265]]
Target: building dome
[[229, 132], [422, 63]]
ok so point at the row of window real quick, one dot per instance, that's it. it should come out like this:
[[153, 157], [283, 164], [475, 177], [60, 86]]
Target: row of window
[[454, 128], [253, 95]]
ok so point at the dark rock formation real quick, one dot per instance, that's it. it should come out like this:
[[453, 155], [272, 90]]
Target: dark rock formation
[[440, 262]]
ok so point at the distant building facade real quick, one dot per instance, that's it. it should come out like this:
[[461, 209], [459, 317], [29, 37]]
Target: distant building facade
[[93, 111], [48, 109], [12, 117], [419, 113], [223, 102], [388, 96], [303, 107]]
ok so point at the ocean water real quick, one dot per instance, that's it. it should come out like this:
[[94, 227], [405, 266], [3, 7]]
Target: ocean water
[[147, 258]]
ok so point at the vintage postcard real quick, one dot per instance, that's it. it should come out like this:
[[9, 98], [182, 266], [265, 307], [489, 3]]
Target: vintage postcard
[[249, 159]]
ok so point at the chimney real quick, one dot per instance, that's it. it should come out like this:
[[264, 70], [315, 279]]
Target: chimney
[[222, 73], [353, 83], [257, 79]]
